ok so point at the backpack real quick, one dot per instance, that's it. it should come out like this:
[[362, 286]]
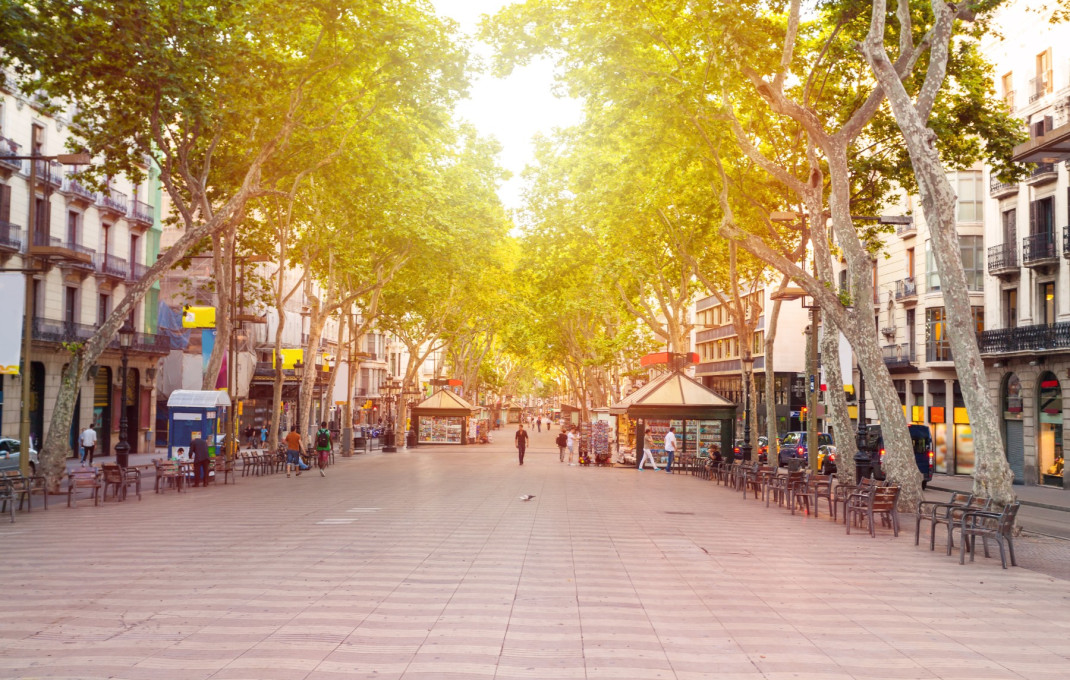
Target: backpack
[[562, 439], [323, 439]]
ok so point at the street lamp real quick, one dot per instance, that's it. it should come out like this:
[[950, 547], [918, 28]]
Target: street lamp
[[299, 372], [391, 393], [747, 365], [122, 449]]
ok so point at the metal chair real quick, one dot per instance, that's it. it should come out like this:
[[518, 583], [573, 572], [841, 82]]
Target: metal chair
[[929, 510], [876, 500], [997, 525]]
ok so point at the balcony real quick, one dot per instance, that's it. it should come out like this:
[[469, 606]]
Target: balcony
[[998, 189], [83, 260], [906, 290], [49, 330], [111, 266], [9, 165], [10, 238], [1066, 242], [47, 246], [137, 271], [1038, 250], [1038, 87], [77, 192], [141, 214], [1003, 260], [1025, 339], [906, 230], [1043, 173], [899, 358], [112, 201], [47, 173]]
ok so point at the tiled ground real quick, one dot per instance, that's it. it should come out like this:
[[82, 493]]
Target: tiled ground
[[427, 565]]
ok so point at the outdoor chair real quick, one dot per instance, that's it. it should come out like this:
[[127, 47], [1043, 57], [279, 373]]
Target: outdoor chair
[[781, 485], [935, 512], [997, 525], [83, 479], [169, 473], [119, 480], [755, 480], [816, 486], [223, 467], [7, 497], [868, 504], [954, 519], [842, 493], [24, 488]]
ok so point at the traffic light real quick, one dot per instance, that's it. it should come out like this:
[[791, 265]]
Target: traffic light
[[803, 412]]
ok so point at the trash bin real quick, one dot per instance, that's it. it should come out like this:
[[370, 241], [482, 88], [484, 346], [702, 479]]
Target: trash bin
[[359, 444], [410, 439], [863, 466]]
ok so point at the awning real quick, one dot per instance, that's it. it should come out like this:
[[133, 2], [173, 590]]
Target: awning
[[443, 402], [198, 399]]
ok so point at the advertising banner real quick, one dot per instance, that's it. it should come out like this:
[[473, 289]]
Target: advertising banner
[[12, 308]]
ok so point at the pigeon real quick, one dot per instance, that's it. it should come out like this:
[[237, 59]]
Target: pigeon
[[526, 497]]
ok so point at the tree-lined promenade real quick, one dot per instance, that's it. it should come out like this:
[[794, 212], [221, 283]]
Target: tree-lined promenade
[[725, 148]]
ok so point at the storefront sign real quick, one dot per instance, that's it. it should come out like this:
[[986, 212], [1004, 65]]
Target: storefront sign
[[12, 302]]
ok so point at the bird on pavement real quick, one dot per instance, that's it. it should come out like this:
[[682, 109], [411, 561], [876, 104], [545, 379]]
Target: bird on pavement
[[526, 497]]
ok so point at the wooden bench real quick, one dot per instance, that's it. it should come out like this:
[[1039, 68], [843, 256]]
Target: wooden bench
[[997, 525], [80, 480], [169, 473], [874, 501], [119, 480]]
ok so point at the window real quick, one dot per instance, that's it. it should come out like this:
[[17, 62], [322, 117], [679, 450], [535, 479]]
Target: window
[[932, 277], [73, 219], [910, 263], [1042, 216], [973, 259], [103, 308], [1010, 226], [971, 197], [759, 343], [1010, 308], [70, 305], [134, 249], [937, 347], [1042, 84], [105, 238], [1008, 90], [1046, 303]]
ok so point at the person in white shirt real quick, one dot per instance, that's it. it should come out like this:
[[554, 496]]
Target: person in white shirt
[[88, 440], [571, 445], [670, 448]]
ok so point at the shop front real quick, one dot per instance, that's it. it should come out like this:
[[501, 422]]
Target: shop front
[[442, 418], [702, 419]]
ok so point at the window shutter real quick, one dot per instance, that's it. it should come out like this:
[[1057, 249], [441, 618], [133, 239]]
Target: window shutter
[[1048, 124], [5, 203], [1032, 217]]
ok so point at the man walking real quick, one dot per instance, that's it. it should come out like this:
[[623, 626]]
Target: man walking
[[198, 448], [293, 451], [670, 448], [570, 441], [323, 446], [538, 423], [562, 442], [521, 440], [88, 440]]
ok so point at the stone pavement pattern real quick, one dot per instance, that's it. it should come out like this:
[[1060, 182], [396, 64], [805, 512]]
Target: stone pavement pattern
[[426, 564]]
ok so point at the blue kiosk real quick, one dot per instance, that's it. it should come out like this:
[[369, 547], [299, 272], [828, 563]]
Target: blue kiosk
[[192, 413]]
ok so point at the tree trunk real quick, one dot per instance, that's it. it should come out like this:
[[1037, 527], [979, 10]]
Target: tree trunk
[[308, 380], [992, 476], [328, 398], [837, 405], [352, 366], [222, 264]]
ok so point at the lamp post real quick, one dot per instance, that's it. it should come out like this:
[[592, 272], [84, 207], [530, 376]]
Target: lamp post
[[411, 394], [122, 449], [392, 392], [748, 365], [299, 372]]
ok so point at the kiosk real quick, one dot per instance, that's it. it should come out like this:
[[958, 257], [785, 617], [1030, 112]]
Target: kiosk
[[703, 419], [442, 418], [193, 413]]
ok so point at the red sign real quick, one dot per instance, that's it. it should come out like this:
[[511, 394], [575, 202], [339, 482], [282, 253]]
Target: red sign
[[667, 358]]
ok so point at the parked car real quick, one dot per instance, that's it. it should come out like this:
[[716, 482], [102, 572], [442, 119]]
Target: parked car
[[793, 446], [921, 439], [826, 459], [10, 455], [761, 450]]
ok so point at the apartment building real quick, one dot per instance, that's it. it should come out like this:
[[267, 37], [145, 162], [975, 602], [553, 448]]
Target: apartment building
[[716, 341], [910, 317], [84, 250], [1026, 344]]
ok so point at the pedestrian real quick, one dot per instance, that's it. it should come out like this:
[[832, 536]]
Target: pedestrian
[[323, 447], [548, 421], [562, 442], [521, 440], [648, 455], [538, 423], [570, 441], [498, 424], [249, 432], [198, 448], [294, 447], [88, 440], [263, 437], [670, 448]]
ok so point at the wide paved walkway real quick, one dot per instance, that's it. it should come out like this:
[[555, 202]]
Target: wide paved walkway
[[427, 564]]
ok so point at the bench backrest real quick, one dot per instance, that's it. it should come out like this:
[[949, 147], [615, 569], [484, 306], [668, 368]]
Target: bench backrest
[[83, 477], [884, 498]]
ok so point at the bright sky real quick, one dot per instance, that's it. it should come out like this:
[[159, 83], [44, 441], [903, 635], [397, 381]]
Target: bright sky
[[512, 109]]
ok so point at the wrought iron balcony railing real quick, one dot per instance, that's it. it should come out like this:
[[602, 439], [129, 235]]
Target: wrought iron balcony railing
[[1035, 338], [1003, 257], [1038, 247], [10, 236], [137, 271], [142, 212], [898, 356], [110, 265], [997, 187], [906, 288], [113, 200], [76, 188]]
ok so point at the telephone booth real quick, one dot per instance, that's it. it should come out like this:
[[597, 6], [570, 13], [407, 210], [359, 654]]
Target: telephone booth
[[193, 413]]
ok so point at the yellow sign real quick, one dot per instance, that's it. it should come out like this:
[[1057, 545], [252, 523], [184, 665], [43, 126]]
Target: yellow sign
[[198, 317], [289, 357], [9, 370], [960, 416]]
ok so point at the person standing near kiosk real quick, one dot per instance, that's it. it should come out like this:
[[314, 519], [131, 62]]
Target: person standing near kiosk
[[670, 448]]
